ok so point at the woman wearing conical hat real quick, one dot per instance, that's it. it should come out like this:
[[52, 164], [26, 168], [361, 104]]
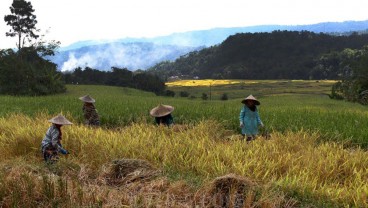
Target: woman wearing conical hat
[[249, 117], [162, 114], [51, 143], [90, 113]]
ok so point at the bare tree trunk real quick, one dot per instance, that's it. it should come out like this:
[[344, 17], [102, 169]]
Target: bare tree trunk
[[20, 39]]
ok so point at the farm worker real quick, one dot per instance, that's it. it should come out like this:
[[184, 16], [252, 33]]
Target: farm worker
[[90, 113], [249, 118], [51, 144], [162, 114]]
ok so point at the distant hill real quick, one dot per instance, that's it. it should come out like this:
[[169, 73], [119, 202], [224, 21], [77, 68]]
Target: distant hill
[[142, 53], [217, 35], [276, 55]]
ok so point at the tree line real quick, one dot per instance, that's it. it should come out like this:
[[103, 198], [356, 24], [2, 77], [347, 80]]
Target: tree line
[[276, 55], [351, 67], [116, 77]]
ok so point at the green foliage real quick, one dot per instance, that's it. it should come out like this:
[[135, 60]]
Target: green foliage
[[184, 94], [23, 22], [148, 82], [204, 96], [119, 77], [276, 55], [116, 77], [336, 91], [26, 73], [352, 68], [224, 96], [169, 93]]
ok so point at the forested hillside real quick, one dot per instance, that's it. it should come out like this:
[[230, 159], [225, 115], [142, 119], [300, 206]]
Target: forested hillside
[[276, 55]]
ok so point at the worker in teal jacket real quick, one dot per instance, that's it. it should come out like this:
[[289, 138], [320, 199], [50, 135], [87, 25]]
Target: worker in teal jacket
[[249, 118]]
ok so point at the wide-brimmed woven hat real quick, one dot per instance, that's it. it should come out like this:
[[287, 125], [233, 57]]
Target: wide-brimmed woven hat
[[87, 99], [251, 97], [61, 120], [161, 110]]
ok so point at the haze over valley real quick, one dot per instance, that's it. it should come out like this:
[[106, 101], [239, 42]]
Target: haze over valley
[[142, 53]]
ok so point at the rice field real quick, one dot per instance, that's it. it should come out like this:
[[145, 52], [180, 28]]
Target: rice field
[[290, 168], [316, 156], [334, 120], [237, 88], [206, 82]]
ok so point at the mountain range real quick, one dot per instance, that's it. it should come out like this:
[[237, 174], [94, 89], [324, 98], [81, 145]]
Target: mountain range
[[141, 53], [274, 55]]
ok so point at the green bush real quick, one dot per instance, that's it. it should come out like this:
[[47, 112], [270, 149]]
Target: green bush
[[224, 96], [184, 94], [26, 73]]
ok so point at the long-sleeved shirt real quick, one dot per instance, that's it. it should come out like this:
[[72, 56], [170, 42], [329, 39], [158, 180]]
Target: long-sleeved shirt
[[90, 115], [250, 120], [52, 138], [167, 120]]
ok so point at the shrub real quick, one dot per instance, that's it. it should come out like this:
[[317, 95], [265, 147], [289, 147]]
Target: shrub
[[204, 96], [169, 93], [26, 73], [224, 97], [184, 94]]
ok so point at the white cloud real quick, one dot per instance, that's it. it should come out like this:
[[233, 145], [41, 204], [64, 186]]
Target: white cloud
[[134, 56], [73, 62]]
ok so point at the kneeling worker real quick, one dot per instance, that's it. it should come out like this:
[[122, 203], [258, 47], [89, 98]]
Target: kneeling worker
[[51, 143], [162, 114]]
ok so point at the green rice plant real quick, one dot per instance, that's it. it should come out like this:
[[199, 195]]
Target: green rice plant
[[117, 107]]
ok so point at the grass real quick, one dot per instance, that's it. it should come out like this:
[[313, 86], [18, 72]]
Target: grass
[[334, 120]]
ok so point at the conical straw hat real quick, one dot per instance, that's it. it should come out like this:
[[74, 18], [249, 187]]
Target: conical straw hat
[[87, 99], [61, 120], [251, 97], [161, 110]]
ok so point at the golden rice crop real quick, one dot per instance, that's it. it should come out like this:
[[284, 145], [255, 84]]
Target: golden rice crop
[[296, 163], [204, 82], [216, 82]]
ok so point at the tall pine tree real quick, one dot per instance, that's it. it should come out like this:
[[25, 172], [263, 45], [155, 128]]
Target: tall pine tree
[[22, 21]]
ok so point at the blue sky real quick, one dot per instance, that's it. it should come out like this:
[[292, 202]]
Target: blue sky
[[74, 20]]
